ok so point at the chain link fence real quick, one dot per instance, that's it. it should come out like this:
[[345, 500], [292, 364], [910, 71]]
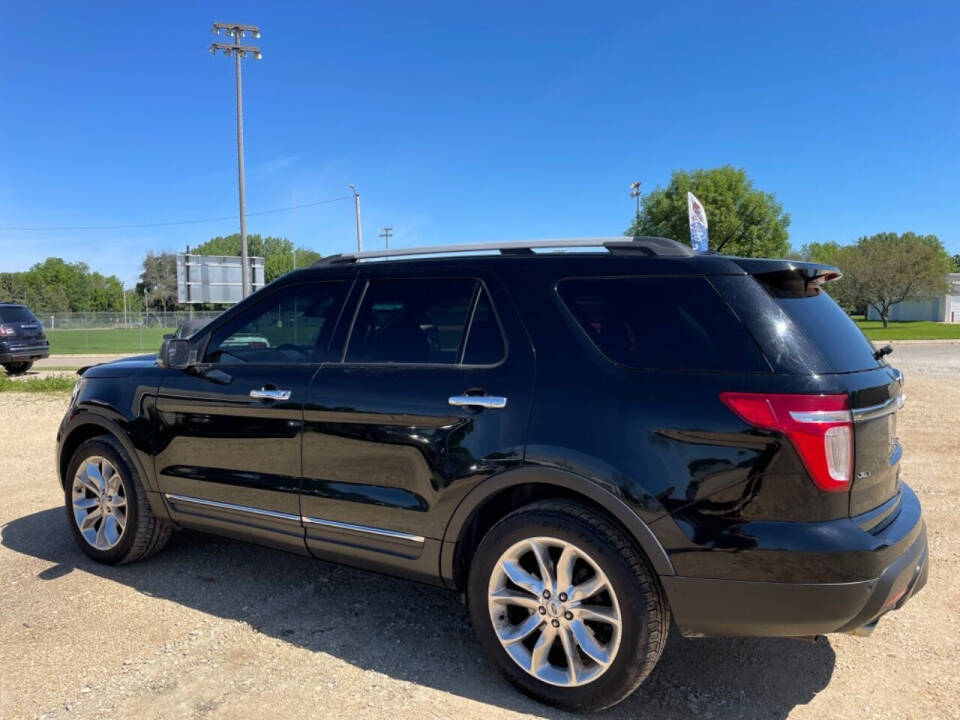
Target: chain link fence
[[115, 320], [113, 332]]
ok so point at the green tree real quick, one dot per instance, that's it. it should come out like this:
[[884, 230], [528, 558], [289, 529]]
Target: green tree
[[842, 290], [55, 285], [158, 281], [279, 254], [828, 253], [106, 293], [887, 268], [748, 222], [70, 278]]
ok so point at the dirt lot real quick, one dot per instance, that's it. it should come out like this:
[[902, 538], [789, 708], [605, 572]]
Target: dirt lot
[[216, 629]]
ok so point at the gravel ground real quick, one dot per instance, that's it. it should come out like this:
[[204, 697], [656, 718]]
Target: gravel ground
[[212, 628]]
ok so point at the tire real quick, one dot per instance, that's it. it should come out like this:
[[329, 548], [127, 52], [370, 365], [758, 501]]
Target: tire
[[17, 368], [141, 533], [632, 592]]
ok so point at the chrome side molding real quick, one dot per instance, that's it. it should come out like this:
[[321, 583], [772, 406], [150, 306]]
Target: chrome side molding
[[230, 506], [393, 534]]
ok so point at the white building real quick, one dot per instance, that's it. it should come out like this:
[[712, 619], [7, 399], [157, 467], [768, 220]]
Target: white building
[[945, 308]]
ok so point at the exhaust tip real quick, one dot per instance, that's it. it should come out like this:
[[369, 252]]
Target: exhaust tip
[[864, 630]]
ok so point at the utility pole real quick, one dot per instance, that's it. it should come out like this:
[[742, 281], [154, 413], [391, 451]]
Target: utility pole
[[293, 235], [237, 32], [356, 206], [385, 234], [635, 193], [124, 288]]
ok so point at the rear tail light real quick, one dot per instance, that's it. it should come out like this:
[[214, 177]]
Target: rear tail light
[[7, 330], [819, 426]]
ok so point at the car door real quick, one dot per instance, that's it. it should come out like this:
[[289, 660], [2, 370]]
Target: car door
[[229, 429], [430, 397]]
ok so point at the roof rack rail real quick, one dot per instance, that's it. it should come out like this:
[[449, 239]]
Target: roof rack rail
[[652, 246]]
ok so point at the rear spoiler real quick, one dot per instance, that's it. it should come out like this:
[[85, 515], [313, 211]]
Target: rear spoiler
[[811, 272], [789, 278]]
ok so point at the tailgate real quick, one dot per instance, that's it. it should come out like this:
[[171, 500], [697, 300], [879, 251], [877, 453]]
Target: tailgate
[[877, 451], [804, 333], [28, 330]]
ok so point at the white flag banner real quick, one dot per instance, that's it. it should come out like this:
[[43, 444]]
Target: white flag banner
[[699, 240]]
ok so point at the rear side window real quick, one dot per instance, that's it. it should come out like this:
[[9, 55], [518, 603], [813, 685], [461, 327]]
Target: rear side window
[[418, 321], [16, 315], [662, 323]]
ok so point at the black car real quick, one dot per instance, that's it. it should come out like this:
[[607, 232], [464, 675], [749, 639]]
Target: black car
[[22, 340], [585, 444]]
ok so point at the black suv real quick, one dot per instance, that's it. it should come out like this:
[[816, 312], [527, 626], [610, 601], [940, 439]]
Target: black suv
[[582, 443], [21, 339]]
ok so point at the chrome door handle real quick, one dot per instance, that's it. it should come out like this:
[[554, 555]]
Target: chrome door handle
[[492, 402], [265, 394]]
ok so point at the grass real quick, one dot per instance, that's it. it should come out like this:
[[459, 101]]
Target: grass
[[910, 330], [113, 340], [49, 384]]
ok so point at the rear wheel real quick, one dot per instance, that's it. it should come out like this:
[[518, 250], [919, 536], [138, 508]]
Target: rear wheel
[[107, 505], [17, 368], [566, 606]]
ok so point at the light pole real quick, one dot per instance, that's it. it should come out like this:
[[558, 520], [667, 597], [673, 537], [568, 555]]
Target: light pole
[[385, 234], [635, 193], [236, 32], [356, 207]]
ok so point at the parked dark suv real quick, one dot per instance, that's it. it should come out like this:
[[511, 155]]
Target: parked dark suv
[[22, 340], [583, 443]]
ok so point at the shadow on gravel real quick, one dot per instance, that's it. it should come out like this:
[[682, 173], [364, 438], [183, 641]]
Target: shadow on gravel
[[419, 633]]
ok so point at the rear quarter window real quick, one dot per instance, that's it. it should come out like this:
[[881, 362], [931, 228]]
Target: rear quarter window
[[661, 323]]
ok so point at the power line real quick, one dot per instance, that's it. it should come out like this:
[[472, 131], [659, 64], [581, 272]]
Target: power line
[[179, 222]]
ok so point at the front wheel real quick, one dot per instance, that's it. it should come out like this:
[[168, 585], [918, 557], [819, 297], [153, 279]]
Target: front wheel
[[566, 606], [107, 505], [17, 368]]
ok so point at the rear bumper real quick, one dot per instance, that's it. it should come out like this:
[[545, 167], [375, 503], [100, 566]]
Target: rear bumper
[[22, 354], [717, 607]]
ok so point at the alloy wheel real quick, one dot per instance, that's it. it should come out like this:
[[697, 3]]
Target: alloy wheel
[[99, 503], [554, 611]]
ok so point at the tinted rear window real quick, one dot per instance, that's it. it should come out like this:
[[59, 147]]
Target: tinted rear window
[[16, 315], [837, 338], [664, 323]]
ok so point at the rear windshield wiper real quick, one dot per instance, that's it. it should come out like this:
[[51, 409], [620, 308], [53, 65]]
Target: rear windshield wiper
[[880, 352]]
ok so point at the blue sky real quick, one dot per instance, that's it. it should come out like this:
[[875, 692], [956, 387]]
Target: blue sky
[[467, 122]]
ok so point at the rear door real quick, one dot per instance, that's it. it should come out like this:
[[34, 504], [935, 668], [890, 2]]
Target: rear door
[[230, 436], [430, 396]]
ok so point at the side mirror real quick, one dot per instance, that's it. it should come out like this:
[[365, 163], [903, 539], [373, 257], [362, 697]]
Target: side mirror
[[175, 353]]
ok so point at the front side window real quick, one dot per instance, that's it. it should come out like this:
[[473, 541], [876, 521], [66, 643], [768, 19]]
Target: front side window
[[286, 327], [418, 321]]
